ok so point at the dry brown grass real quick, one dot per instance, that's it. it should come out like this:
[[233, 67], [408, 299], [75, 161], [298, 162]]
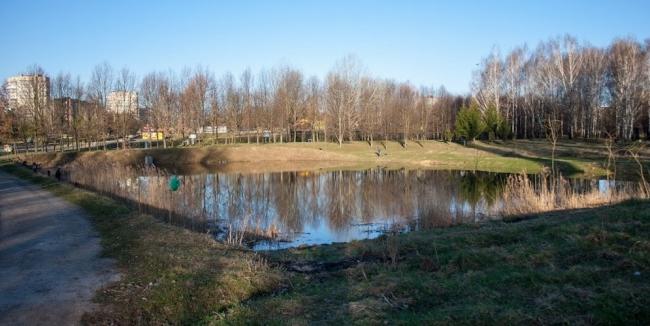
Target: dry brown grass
[[303, 156], [522, 196]]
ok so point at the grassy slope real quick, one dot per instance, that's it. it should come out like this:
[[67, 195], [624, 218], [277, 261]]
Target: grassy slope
[[529, 156], [565, 267]]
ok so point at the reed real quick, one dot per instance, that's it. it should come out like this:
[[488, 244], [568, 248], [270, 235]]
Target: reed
[[143, 187], [522, 195]]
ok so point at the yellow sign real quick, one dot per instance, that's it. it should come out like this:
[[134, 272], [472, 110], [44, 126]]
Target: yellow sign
[[152, 135]]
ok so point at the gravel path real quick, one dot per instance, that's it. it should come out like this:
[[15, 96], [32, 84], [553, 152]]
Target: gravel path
[[50, 264]]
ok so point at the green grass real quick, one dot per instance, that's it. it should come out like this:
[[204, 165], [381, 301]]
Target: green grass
[[568, 267], [565, 267]]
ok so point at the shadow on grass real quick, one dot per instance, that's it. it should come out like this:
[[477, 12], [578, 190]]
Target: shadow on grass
[[175, 160], [566, 168]]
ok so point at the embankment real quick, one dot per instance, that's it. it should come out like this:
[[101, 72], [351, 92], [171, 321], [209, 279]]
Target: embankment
[[312, 156], [273, 157]]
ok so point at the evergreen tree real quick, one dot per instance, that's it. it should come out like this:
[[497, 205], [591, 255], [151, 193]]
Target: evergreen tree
[[469, 123]]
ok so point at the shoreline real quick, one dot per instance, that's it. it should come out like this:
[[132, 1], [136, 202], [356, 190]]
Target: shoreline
[[510, 157]]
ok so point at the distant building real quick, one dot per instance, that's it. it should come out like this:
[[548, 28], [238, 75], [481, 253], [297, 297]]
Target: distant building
[[28, 91], [122, 102]]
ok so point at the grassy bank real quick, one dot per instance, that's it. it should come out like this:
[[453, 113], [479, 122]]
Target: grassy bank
[[170, 275], [514, 157], [588, 266], [579, 267]]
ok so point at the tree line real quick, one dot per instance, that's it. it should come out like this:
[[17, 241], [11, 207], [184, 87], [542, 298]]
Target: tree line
[[277, 105], [572, 88], [576, 89]]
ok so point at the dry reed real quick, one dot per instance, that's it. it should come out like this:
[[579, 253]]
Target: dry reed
[[521, 195]]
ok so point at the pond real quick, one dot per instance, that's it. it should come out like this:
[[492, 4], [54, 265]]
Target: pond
[[289, 209]]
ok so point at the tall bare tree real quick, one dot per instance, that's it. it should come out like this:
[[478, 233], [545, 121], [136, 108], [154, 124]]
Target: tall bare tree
[[342, 96], [127, 114], [627, 84], [100, 85], [487, 82]]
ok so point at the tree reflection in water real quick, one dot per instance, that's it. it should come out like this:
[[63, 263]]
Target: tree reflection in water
[[313, 207], [324, 207]]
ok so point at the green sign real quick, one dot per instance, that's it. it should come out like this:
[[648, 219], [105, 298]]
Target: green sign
[[174, 183]]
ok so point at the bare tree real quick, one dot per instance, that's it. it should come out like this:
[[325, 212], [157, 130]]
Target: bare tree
[[290, 99], [32, 106], [567, 62], [128, 110], [369, 107], [233, 104], [76, 116], [514, 73], [553, 127], [313, 106], [626, 84], [592, 84], [197, 98], [7, 119], [406, 103], [159, 98], [101, 84], [342, 96], [62, 107], [487, 82]]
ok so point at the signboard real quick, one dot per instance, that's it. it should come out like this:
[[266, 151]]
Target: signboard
[[152, 135]]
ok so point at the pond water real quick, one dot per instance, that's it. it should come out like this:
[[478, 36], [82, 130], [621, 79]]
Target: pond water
[[289, 209]]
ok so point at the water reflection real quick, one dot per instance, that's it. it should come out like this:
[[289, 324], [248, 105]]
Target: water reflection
[[295, 208]]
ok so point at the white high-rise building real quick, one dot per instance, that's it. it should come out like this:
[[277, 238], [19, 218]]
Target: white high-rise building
[[27, 91], [122, 102]]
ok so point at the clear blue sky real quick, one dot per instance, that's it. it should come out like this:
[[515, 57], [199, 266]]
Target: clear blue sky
[[425, 42]]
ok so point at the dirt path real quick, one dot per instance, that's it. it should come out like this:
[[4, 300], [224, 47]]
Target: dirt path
[[49, 258]]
